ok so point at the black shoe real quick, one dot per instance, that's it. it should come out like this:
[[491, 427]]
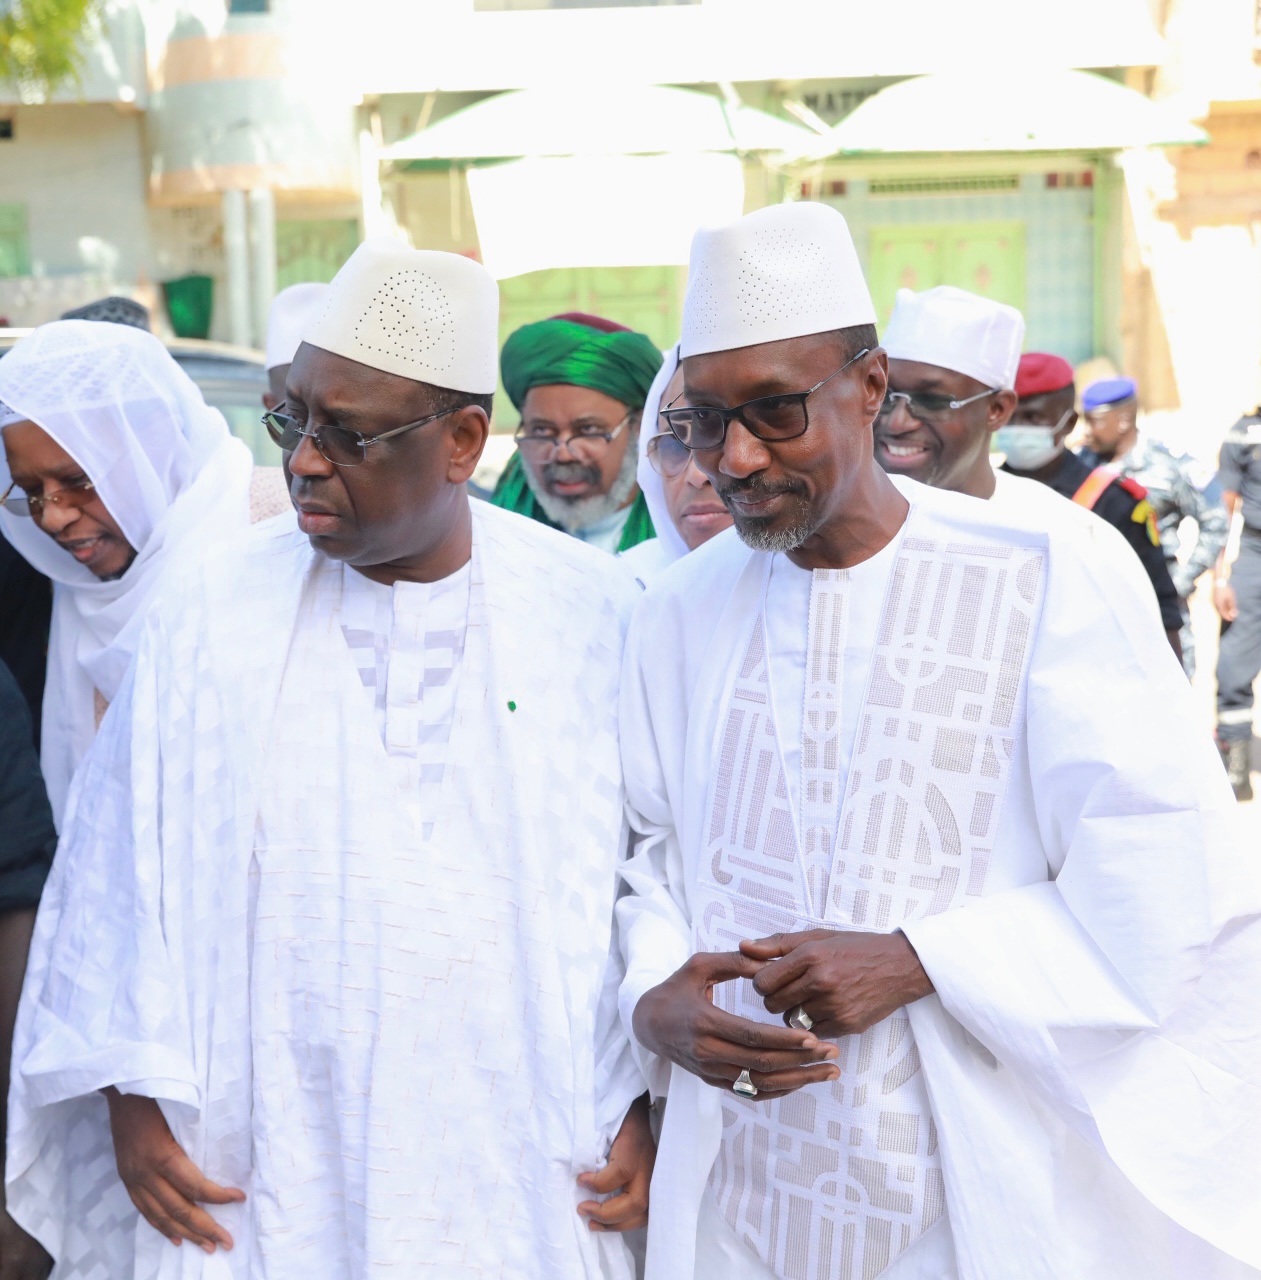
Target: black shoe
[[1237, 762]]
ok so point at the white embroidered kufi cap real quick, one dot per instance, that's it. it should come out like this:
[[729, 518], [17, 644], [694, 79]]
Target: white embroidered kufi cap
[[291, 310], [783, 272], [429, 316], [958, 330]]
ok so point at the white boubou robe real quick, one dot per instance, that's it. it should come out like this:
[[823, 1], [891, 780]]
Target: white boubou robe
[[981, 737], [365, 977]]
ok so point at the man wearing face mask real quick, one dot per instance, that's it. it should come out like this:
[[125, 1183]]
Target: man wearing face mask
[[1033, 442]]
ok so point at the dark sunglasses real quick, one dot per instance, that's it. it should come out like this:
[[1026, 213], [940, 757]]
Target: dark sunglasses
[[781, 417]]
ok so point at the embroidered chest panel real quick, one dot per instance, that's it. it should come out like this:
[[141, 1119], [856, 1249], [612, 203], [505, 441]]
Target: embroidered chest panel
[[838, 1180]]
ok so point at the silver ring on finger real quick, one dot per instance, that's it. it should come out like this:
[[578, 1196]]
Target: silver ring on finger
[[800, 1019], [744, 1085]]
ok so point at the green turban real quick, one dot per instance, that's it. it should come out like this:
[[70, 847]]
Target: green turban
[[598, 355]]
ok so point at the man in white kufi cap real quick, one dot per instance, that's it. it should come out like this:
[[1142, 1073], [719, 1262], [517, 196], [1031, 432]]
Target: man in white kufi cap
[[945, 970], [326, 945], [291, 311], [954, 358]]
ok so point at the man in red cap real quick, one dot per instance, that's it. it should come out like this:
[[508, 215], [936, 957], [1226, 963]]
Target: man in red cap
[[1034, 444]]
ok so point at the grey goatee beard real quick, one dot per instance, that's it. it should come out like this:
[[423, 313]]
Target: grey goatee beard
[[761, 538], [575, 514], [759, 534]]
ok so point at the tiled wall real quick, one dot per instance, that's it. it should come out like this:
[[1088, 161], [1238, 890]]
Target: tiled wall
[[1059, 273]]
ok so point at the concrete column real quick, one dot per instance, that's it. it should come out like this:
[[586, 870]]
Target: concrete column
[[262, 258], [236, 250]]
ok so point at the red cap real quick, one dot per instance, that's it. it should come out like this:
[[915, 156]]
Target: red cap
[[1039, 374], [592, 322]]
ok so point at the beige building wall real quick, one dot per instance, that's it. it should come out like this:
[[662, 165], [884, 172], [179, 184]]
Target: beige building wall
[[1191, 315]]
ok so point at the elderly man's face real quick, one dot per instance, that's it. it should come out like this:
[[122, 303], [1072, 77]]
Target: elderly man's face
[[780, 493], [569, 458], [946, 448], [402, 500]]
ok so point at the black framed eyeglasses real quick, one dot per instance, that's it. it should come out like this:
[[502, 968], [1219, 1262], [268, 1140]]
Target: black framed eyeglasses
[[770, 418], [339, 445], [925, 406], [78, 493]]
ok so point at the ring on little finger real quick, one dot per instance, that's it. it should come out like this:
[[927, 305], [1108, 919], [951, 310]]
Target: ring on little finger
[[744, 1085], [799, 1019]]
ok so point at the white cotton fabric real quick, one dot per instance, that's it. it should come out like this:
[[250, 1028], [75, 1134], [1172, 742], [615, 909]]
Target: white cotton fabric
[[291, 311], [407, 643], [167, 470], [419, 313], [954, 329], [781, 272], [648, 559], [404, 1049], [1091, 1056]]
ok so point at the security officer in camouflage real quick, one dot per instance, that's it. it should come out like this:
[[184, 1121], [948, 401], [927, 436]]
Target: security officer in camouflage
[[1177, 485], [1237, 595], [1033, 443]]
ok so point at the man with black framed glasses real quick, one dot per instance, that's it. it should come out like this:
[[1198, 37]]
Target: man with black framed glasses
[[915, 919], [346, 860]]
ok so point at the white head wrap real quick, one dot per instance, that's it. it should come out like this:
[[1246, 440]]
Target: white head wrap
[[783, 272], [672, 546], [432, 317], [954, 329], [292, 309], [167, 470]]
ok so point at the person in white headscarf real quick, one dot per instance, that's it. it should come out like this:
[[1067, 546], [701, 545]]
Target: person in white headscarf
[[116, 475], [685, 510], [330, 922], [947, 972]]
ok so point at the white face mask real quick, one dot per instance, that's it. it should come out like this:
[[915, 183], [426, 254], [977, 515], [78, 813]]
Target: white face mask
[[1028, 447]]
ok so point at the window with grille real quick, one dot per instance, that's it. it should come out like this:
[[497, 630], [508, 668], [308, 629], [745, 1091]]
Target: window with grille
[[943, 186]]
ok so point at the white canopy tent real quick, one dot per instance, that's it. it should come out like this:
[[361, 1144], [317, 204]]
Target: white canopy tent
[[1024, 109], [558, 179]]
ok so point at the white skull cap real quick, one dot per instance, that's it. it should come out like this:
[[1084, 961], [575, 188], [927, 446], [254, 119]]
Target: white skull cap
[[287, 318], [429, 316], [954, 329], [783, 272]]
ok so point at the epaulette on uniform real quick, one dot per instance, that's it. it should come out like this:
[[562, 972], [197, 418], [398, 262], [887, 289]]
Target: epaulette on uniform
[[1132, 487]]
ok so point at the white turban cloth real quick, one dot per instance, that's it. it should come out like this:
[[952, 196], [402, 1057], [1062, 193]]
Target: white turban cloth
[[292, 309], [670, 544], [169, 473]]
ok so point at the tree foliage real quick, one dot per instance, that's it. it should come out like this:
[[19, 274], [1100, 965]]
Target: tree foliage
[[41, 43]]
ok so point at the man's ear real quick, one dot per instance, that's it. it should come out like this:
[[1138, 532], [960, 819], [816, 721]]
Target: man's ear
[[1070, 425], [467, 431], [875, 382], [1002, 406]]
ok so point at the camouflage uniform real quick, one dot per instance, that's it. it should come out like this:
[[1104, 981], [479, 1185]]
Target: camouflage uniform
[[1177, 486], [1239, 658]]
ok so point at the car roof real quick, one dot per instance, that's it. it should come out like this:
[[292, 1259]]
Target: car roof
[[181, 348]]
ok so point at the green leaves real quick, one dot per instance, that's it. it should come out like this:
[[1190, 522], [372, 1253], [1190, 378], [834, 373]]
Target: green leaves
[[41, 43]]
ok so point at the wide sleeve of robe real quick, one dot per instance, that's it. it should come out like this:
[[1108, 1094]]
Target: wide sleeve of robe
[[1121, 992], [128, 983]]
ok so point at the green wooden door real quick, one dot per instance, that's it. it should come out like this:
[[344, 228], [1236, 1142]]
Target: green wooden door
[[648, 299], [313, 251], [15, 252], [985, 257]]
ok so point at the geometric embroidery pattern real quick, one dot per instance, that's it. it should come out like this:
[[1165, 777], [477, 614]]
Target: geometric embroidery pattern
[[836, 1180]]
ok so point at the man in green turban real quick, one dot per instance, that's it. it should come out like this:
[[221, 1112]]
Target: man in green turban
[[579, 383]]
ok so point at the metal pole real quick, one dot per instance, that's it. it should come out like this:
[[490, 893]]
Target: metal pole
[[236, 250], [262, 258]]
